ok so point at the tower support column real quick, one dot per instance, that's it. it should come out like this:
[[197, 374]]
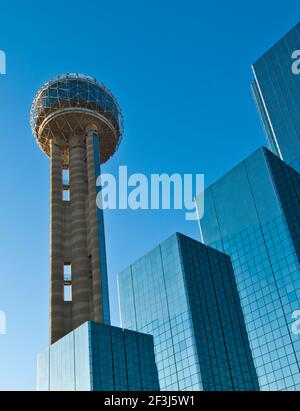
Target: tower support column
[[56, 245], [94, 242], [81, 281]]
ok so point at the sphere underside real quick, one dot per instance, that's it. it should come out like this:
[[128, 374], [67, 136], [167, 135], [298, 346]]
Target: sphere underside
[[69, 104]]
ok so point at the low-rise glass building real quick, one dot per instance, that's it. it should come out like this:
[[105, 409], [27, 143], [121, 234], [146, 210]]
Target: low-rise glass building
[[99, 357]]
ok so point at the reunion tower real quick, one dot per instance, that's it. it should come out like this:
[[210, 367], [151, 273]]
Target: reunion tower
[[78, 124]]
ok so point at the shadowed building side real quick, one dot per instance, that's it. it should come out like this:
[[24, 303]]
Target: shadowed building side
[[184, 294]]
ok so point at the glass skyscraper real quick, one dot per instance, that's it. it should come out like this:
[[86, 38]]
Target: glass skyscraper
[[253, 214], [276, 90], [99, 357], [184, 294]]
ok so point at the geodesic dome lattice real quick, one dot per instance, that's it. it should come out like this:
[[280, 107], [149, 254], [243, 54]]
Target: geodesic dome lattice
[[69, 103]]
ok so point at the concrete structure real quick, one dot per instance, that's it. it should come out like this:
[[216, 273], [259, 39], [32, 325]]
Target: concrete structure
[[78, 124]]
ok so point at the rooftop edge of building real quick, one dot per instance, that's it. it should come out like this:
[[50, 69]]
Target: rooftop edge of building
[[100, 325], [296, 26], [178, 236], [262, 149]]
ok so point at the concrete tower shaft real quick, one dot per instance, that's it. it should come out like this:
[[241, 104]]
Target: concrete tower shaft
[[76, 231], [78, 124]]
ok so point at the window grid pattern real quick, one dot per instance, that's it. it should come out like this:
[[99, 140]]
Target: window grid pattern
[[98, 357], [157, 296], [72, 90], [279, 104], [263, 249], [225, 358]]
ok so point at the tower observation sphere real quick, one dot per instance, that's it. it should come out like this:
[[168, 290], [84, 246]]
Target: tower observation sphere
[[69, 104], [78, 124]]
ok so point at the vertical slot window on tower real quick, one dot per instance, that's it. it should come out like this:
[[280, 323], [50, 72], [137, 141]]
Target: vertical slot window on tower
[[68, 293], [67, 282], [66, 184], [66, 177], [66, 195]]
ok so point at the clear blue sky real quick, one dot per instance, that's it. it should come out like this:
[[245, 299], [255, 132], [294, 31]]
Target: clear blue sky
[[181, 73]]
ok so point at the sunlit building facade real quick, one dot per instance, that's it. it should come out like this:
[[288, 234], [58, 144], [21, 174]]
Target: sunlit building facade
[[276, 90], [253, 214], [184, 294]]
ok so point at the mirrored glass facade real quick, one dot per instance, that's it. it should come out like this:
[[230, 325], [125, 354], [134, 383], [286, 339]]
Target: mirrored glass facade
[[276, 90], [184, 294], [99, 357], [253, 214]]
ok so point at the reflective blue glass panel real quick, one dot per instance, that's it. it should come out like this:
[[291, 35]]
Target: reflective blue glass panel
[[276, 90], [184, 294], [99, 357], [253, 214]]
